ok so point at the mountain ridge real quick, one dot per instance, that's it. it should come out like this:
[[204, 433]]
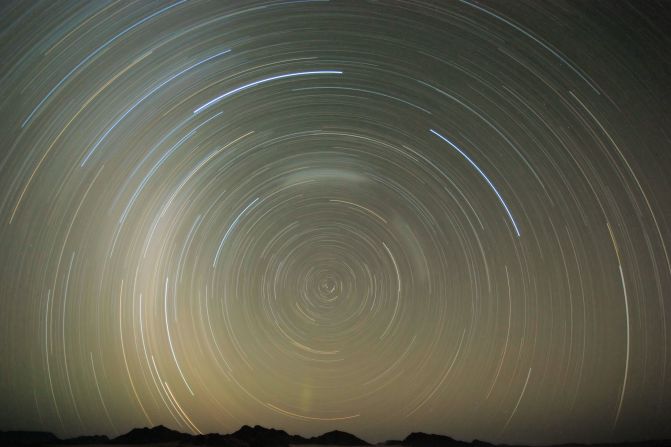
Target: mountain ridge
[[258, 436]]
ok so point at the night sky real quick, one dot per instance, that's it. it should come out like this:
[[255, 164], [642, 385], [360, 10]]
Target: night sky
[[378, 217]]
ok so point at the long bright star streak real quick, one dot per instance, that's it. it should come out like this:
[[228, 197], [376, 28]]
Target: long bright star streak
[[167, 329], [512, 414], [235, 222], [263, 81], [398, 291], [626, 361], [626, 309], [484, 176], [310, 418]]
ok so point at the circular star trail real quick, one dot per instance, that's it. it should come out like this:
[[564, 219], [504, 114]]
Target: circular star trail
[[382, 217]]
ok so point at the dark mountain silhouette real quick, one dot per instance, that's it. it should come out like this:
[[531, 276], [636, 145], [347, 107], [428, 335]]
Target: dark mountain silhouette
[[337, 437], [429, 440], [478, 443], [153, 435], [258, 436]]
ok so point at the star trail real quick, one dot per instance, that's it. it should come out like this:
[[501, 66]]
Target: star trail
[[374, 216]]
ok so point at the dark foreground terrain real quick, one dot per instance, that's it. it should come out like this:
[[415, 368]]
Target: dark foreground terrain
[[257, 437]]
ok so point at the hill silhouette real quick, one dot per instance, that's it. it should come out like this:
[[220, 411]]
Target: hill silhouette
[[429, 440], [258, 436], [337, 437], [155, 435]]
